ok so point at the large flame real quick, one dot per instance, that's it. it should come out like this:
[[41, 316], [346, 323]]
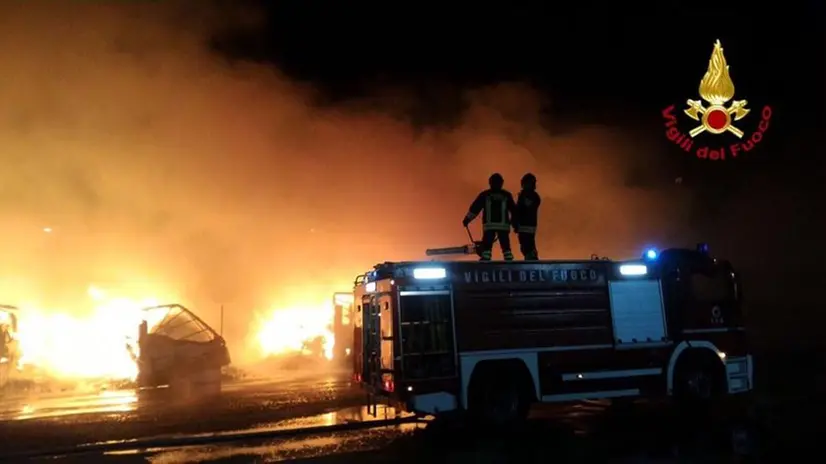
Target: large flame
[[717, 86], [293, 327], [65, 344], [93, 344]]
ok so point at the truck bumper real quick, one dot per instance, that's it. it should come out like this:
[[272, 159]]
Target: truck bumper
[[432, 403], [425, 403]]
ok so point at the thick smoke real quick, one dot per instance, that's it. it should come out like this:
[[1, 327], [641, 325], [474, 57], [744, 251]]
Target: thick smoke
[[161, 168]]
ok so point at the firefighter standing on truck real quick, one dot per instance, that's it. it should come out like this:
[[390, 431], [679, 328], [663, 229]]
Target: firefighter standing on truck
[[527, 210], [497, 206]]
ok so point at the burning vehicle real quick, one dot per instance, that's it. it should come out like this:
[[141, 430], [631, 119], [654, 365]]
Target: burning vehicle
[[336, 342], [176, 350], [343, 327], [297, 333], [10, 354]]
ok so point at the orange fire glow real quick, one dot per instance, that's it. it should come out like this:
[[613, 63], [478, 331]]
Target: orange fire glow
[[290, 328], [68, 345]]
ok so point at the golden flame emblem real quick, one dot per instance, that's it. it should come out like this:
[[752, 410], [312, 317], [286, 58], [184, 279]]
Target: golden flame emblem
[[716, 89]]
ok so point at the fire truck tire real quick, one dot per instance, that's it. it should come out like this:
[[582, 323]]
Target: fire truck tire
[[500, 394], [699, 379]]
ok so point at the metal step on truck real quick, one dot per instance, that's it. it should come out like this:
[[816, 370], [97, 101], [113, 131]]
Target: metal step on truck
[[492, 338]]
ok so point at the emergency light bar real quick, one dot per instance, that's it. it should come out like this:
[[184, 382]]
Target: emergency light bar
[[633, 269], [429, 273]]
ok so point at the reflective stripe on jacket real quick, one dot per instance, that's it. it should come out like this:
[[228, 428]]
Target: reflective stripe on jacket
[[497, 207]]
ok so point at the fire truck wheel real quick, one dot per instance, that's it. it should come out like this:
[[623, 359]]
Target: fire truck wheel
[[699, 379], [500, 396]]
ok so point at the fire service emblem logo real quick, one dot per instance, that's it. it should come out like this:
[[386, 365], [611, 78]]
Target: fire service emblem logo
[[717, 114]]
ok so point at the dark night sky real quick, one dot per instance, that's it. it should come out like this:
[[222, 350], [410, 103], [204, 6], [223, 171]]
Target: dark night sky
[[595, 66], [592, 65]]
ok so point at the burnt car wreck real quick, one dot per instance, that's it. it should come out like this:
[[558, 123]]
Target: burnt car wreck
[[10, 355], [178, 352]]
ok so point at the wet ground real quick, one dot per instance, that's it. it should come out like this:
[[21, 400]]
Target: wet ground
[[263, 443], [248, 424], [232, 434], [583, 431], [260, 410], [69, 418]]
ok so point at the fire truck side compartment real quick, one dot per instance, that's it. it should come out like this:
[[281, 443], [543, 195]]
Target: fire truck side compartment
[[637, 311], [498, 319]]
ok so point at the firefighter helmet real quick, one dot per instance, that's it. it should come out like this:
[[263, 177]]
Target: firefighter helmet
[[529, 181], [496, 181]]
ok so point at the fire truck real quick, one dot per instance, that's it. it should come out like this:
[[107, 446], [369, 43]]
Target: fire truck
[[343, 327], [492, 338]]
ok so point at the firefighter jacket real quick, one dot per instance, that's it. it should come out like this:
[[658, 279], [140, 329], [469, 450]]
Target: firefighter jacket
[[527, 210], [496, 206]]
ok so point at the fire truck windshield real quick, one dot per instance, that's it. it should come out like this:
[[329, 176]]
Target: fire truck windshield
[[715, 287]]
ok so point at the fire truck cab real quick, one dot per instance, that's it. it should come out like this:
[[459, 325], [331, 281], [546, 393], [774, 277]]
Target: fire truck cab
[[494, 337]]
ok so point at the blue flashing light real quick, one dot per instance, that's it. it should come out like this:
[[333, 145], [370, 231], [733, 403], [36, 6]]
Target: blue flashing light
[[650, 254]]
